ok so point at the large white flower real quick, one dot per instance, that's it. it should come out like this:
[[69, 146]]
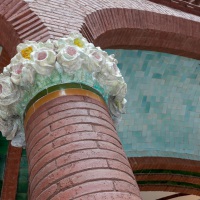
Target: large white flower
[[73, 39], [111, 67], [69, 58], [6, 111], [24, 51], [95, 61], [44, 60], [116, 108], [8, 128], [22, 74], [120, 90], [110, 78], [45, 45], [9, 93]]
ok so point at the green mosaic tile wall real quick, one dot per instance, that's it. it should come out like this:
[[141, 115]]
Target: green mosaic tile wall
[[163, 109], [22, 187], [3, 154]]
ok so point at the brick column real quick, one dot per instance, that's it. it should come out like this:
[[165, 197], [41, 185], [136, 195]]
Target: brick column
[[74, 152], [11, 173]]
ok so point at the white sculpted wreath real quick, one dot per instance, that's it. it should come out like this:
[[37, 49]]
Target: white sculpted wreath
[[66, 55]]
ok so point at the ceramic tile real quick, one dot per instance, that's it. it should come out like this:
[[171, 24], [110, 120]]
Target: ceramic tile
[[163, 108]]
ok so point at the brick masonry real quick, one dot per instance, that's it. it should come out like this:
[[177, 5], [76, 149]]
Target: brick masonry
[[9, 188], [124, 23], [106, 23], [75, 153], [184, 5], [176, 189], [166, 163]]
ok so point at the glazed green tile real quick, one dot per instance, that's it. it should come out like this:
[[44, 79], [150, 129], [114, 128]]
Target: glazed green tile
[[163, 103], [157, 76], [40, 95], [21, 196], [83, 86], [22, 186], [63, 87]]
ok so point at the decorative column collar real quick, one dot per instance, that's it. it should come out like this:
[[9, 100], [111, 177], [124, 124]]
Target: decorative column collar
[[38, 66]]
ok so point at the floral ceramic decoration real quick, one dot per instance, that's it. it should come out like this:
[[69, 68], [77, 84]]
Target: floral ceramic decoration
[[37, 66]]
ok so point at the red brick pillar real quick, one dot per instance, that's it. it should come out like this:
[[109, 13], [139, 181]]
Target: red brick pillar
[[74, 152]]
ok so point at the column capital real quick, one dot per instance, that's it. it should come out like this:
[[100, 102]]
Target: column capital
[[39, 66]]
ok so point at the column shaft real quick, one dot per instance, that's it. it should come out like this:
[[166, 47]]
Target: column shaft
[[74, 153]]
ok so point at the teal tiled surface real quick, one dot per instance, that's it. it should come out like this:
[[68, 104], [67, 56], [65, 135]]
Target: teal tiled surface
[[3, 155], [163, 108], [22, 186]]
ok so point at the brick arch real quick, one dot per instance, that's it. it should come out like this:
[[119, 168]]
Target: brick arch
[[18, 23], [169, 188], [4, 59], [161, 174], [140, 29]]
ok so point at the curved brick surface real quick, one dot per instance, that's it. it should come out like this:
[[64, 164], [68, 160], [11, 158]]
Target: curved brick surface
[[4, 59], [168, 177], [75, 154], [166, 163], [18, 23], [123, 23], [151, 31], [140, 163], [169, 188]]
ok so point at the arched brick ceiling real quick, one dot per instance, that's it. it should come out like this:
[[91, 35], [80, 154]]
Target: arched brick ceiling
[[18, 23], [190, 6], [4, 59], [138, 29], [124, 23]]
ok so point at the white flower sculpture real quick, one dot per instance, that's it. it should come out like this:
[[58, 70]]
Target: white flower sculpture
[[9, 95], [9, 92], [44, 60], [69, 57], [21, 74], [66, 56], [96, 59]]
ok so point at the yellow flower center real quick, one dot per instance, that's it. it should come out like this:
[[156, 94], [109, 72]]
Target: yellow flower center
[[78, 42], [26, 53]]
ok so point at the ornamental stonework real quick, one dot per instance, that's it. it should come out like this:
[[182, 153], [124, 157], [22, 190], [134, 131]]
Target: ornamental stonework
[[38, 66]]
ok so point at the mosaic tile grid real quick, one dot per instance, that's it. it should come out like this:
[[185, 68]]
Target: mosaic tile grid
[[163, 110]]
